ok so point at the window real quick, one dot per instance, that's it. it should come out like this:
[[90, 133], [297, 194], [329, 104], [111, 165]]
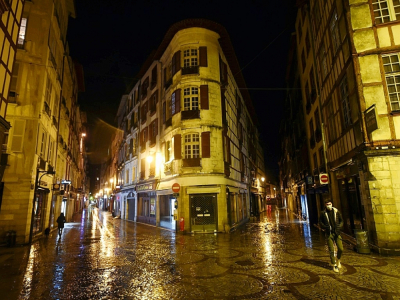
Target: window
[[43, 144], [133, 174], [22, 32], [18, 135], [344, 95], [335, 31], [192, 145], [322, 61], [386, 10], [127, 176], [190, 58], [48, 92], [331, 121], [391, 65], [191, 98], [50, 154]]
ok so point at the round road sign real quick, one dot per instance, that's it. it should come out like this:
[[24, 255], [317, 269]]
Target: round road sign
[[323, 178], [176, 187]]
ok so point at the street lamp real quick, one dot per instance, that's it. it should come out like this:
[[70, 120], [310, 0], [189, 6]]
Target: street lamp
[[34, 197]]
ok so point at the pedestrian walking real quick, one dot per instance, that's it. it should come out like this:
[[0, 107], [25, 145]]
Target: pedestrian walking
[[60, 221], [331, 222]]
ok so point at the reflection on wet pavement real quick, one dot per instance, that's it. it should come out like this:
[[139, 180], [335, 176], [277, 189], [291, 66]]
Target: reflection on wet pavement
[[279, 257]]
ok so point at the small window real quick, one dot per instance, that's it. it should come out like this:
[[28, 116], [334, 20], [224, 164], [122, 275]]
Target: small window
[[391, 64], [22, 32], [191, 98], [190, 58], [386, 10], [192, 145], [344, 95]]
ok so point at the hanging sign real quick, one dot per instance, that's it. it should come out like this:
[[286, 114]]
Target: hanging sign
[[371, 123]]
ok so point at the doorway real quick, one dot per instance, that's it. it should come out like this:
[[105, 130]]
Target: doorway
[[203, 212]]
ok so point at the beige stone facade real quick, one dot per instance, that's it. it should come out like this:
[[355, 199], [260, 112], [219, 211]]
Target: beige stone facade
[[355, 52], [47, 126], [196, 128]]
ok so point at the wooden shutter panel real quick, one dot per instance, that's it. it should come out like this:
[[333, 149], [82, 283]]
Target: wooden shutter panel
[[177, 100], [165, 75], [177, 146], [205, 145], [156, 124], [176, 62], [149, 131], [203, 57], [204, 97]]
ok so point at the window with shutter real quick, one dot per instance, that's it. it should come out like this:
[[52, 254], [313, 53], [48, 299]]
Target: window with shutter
[[18, 135], [142, 168], [205, 145]]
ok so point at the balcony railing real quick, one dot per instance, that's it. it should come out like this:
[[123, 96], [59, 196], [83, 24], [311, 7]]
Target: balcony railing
[[191, 162], [190, 70], [190, 114]]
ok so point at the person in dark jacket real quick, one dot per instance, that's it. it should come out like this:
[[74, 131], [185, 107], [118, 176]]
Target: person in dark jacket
[[331, 222], [60, 221]]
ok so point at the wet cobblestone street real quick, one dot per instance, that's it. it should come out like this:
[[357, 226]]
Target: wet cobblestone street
[[99, 257]]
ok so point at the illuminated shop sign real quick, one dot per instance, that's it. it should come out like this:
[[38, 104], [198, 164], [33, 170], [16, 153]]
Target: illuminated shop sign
[[145, 187]]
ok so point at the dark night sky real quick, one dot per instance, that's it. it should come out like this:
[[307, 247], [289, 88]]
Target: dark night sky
[[112, 39]]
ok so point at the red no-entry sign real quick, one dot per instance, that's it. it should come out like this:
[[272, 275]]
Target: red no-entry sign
[[323, 178], [176, 187]]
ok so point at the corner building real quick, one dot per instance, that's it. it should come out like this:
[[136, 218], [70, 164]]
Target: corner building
[[196, 128]]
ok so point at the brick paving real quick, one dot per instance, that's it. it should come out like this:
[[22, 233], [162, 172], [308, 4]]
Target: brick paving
[[99, 257]]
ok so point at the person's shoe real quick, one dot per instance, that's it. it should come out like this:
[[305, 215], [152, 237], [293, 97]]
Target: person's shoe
[[339, 265], [335, 269]]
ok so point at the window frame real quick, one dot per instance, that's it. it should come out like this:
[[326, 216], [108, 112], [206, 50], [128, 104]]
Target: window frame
[[391, 13], [190, 57], [393, 73], [191, 98], [192, 145]]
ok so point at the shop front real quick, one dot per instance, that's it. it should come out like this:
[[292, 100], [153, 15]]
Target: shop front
[[146, 209], [348, 182], [39, 208]]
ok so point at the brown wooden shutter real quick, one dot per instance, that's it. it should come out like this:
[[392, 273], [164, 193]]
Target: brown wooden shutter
[[164, 112], [203, 57], [177, 100], [176, 62], [150, 131], [156, 124], [165, 75], [177, 146], [205, 145], [204, 97]]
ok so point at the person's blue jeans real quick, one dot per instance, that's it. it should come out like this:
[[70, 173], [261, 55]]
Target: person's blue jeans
[[332, 239]]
